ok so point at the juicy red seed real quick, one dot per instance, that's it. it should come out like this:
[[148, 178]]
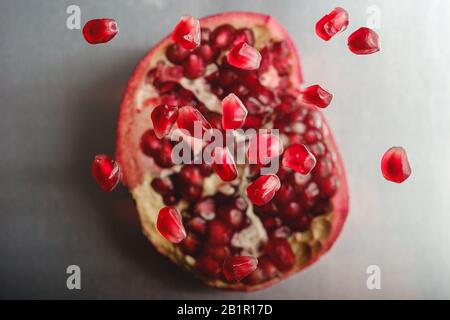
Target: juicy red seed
[[280, 49], [264, 95], [191, 175], [187, 32], [263, 147], [285, 194], [189, 118], [176, 53], [100, 30], [170, 226], [249, 79], [299, 158], [218, 233], [223, 36], [281, 233], [233, 112], [317, 96], [219, 253], [244, 56], [266, 60], [227, 78], [244, 35], [205, 169], [331, 24], [150, 144], [170, 199], [206, 209], [363, 41], [164, 156], [208, 266], [318, 149], [302, 223], [280, 253], [208, 53], [268, 268], [269, 209], [234, 218], [262, 190], [191, 192], [191, 244], [239, 90], [290, 211], [106, 172], [298, 181], [271, 223], [193, 67], [224, 165], [310, 194], [237, 268], [163, 118], [214, 118], [163, 186], [197, 225], [205, 34], [253, 121], [167, 87], [313, 136], [395, 165], [329, 186], [240, 204]]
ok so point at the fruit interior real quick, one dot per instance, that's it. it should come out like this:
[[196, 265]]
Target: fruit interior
[[306, 214]]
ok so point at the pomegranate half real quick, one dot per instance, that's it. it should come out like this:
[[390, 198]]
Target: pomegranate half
[[307, 213]]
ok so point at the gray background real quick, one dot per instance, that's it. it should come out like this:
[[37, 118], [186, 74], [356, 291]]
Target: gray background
[[59, 106]]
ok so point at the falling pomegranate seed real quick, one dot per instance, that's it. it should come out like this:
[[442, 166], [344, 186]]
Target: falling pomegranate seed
[[317, 96], [299, 158], [223, 164], [263, 147], [237, 268], [190, 118], [280, 253], [106, 172], [244, 56], [363, 41], [193, 67], [100, 30], [263, 189], [187, 32], [163, 118], [331, 24], [395, 165], [223, 36], [170, 226], [233, 112]]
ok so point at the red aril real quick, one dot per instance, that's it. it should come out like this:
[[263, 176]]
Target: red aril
[[106, 172], [263, 147], [163, 118], [317, 96], [233, 112], [223, 164], [237, 268], [100, 30], [395, 165], [244, 56], [299, 222], [363, 41], [170, 225], [299, 158], [187, 32], [331, 24]]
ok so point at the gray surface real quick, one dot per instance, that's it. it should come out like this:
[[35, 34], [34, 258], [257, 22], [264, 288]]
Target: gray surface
[[59, 106]]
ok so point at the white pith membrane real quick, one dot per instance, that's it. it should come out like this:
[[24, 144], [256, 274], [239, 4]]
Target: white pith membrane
[[307, 246]]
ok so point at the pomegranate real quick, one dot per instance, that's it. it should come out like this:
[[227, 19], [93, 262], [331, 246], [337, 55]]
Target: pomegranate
[[395, 165], [238, 227], [363, 41], [100, 30], [331, 24]]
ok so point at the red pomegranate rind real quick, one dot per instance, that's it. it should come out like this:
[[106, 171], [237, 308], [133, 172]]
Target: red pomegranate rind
[[134, 122]]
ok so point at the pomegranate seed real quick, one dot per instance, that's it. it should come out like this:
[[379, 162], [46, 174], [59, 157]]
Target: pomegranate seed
[[100, 30], [223, 36], [286, 193], [223, 164], [268, 268], [191, 175], [263, 189], [249, 79], [193, 67], [106, 172], [237, 268], [363, 41], [290, 211], [170, 226], [395, 165], [150, 144], [272, 223], [227, 78], [310, 194], [163, 186], [218, 233], [312, 136], [234, 218], [205, 169], [208, 53], [323, 168], [233, 112], [187, 32], [253, 121], [191, 192], [329, 186], [170, 199], [331, 24], [219, 253], [263, 147], [197, 225], [264, 95], [244, 56], [317, 96], [163, 118], [206, 209], [281, 233], [205, 34], [176, 53], [191, 244], [163, 158], [244, 35], [208, 266], [189, 117], [299, 158], [240, 204], [302, 223], [280, 253]]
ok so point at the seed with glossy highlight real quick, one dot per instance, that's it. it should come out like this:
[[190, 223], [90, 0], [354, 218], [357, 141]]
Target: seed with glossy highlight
[[170, 225], [163, 118], [263, 189], [100, 30], [331, 24], [233, 112], [395, 165], [190, 118], [244, 56], [363, 41], [299, 158], [237, 268], [223, 164], [187, 32], [317, 96], [106, 172]]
